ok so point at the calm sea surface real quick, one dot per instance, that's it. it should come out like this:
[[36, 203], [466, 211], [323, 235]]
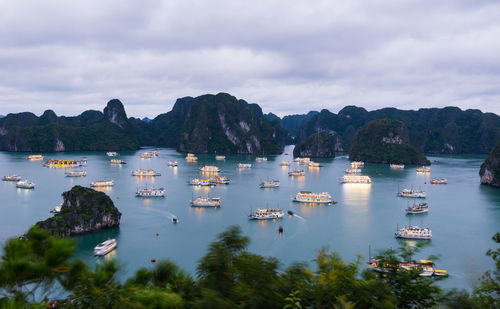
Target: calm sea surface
[[463, 215]]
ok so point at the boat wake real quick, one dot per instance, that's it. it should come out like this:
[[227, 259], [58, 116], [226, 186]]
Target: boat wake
[[301, 218]]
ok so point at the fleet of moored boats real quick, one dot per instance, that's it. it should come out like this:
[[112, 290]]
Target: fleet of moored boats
[[352, 176]]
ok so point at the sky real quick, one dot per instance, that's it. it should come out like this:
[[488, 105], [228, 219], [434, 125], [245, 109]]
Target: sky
[[288, 56]]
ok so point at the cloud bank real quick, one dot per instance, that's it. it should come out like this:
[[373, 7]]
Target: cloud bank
[[287, 56]]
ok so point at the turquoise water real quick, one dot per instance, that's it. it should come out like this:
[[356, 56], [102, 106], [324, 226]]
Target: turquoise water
[[463, 214]]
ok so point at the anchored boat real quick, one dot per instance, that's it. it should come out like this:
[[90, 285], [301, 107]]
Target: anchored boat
[[210, 169], [160, 192], [102, 183], [243, 165], [270, 184], [35, 157], [412, 193], [14, 177], [311, 197], [439, 181], [105, 247], [173, 163], [191, 158], [285, 163], [219, 180], [117, 161], [356, 179], [266, 214], [297, 173], [205, 202], [417, 208], [139, 172], [76, 174], [25, 184], [413, 232], [200, 182], [111, 153], [146, 155], [397, 166]]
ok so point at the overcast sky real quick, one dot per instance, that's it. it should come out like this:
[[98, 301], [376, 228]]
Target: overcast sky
[[287, 56]]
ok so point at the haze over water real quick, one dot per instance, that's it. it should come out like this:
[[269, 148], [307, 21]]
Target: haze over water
[[463, 214]]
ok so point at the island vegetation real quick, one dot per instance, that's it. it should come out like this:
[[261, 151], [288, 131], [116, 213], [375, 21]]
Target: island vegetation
[[34, 268], [490, 169], [318, 145], [84, 210], [385, 141]]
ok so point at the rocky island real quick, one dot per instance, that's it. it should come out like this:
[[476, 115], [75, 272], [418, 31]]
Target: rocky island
[[490, 169], [385, 141], [84, 210], [318, 145]]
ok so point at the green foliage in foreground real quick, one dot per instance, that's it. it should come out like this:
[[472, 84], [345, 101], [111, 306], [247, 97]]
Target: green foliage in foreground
[[228, 276]]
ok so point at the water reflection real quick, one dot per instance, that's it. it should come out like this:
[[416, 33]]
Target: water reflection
[[357, 194]]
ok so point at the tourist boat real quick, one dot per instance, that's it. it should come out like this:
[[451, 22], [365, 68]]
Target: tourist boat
[[220, 180], [25, 184], [412, 193], [314, 164], [397, 166], [155, 153], [357, 164], [35, 157], [210, 169], [160, 192], [102, 183], [105, 247], [423, 169], [57, 209], [243, 165], [270, 184], [297, 173], [111, 153], [355, 179], [11, 178], [353, 171], [220, 157], [285, 163], [417, 208], [146, 155], [425, 267], [310, 197], [139, 172], [260, 159], [76, 174], [191, 157], [173, 163], [51, 163], [205, 202], [200, 182], [439, 181], [117, 161], [304, 161], [266, 214], [413, 232]]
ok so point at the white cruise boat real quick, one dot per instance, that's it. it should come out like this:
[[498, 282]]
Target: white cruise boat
[[111, 153], [397, 166], [14, 177], [243, 165], [35, 157], [210, 169], [102, 183], [220, 180], [413, 232], [200, 182], [270, 184], [205, 202], [439, 181], [146, 155], [424, 169], [139, 172], [105, 247], [297, 173], [173, 163], [220, 157], [51, 163], [160, 192], [353, 171], [412, 193], [304, 161], [191, 157], [266, 214], [311, 197], [117, 161], [260, 159], [285, 163], [25, 184], [417, 208], [357, 164], [76, 174], [355, 179], [314, 164]]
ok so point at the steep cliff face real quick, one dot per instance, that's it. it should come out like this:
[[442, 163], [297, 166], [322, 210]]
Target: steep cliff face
[[318, 145], [84, 210], [385, 141], [214, 124], [92, 130], [433, 130], [490, 169]]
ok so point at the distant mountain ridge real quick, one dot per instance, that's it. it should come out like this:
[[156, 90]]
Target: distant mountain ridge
[[431, 130]]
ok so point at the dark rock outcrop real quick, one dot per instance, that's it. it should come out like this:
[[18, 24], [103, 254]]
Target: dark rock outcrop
[[318, 145], [84, 210], [490, 169], [432, 130], [385, 141]]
